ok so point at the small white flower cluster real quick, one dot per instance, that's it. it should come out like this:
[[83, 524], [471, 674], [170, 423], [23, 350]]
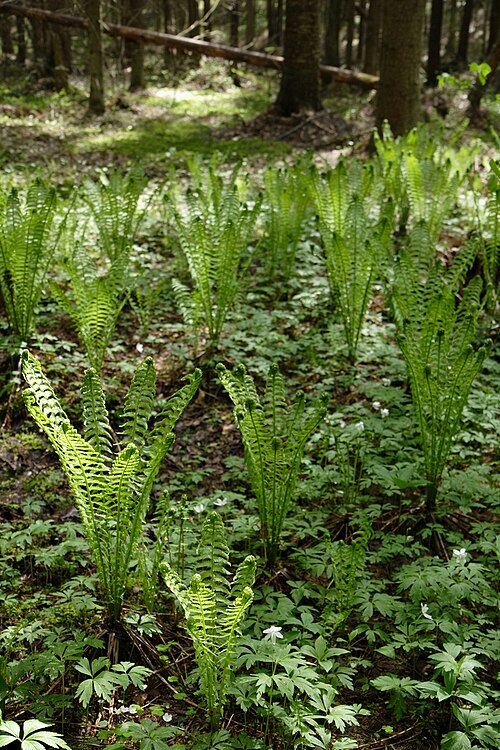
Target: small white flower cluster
[[127, 710], [425, 611], [460, 556], [383, 412], [218, 503]]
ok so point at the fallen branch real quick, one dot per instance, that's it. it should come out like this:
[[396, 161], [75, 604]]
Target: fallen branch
[[185, 43]]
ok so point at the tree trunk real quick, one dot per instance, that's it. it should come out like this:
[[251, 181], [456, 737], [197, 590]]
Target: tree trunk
[[56, 61], [372, 47], [272, 22], [250, 22], [333, 23], [207, 20], [193, 16], [494, 23], [349, 12], [463, 39], [398, 99], [137, 81], [95, 57], [234, 22], [299, 87], [21, 40], [363, 14], [6, 36], [450, 50], [434, 48]]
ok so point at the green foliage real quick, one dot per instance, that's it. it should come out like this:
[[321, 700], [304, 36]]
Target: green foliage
[[490, 238], [33, 735], [285, 207], [114, 203], [94, 302], [436, 337], [353, 244], [102, 680], [214, 609], [274, 436], [214, 231], [26, 250], [111, 491]]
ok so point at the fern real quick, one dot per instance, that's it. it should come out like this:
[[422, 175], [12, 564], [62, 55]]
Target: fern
[[26, 250], [490, 238], [436, 338], [353, 244], [214, 610], [111, 492], [214, 232], [93, 301], [274, 436], [114, 203], [286, 203]]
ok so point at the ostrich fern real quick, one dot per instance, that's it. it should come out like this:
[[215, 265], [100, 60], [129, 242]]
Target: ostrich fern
[[274, 436], [436, 338], [214, 609], [111, 488], [26, 250], [214, 232]]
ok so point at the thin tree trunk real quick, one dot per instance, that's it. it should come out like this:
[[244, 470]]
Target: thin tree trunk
[[21, 40], [463, 39], [207, 20], [137, 81], [434, 48], [363, 17], [6, 35], [350, 9], [450, 50], [250, 22], [95, 57], [332, 32], [494, 23], [372, 48], [234, 22], [272, 27]]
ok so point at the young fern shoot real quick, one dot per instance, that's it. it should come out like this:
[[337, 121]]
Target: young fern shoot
[[274, 436], [111, 488], [213, 608], [436, 338], [26, 250]]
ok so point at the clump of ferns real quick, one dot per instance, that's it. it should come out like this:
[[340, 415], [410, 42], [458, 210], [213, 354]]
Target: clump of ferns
[[214, 607], [111, 484], [354, 240], [27, 247], [489, 239], [437, 337], [420, 177], [286, 204], [274, 436], [215, 230]]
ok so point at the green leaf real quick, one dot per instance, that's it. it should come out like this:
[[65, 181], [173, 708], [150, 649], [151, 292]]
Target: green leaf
[[455, 741]]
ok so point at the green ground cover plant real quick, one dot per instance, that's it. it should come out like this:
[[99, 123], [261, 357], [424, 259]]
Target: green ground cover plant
[[343, 623]]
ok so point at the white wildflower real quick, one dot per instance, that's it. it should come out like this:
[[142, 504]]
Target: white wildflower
[[386, 381], [359, 426], [167, 717], [140, 348], [199, 508], [425, 611], [384, 412], [272, 633], [376, 404], [220, 502], [460, 555]]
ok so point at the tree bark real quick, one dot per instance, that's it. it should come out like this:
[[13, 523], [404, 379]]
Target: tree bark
[[434, 47], [250, 22], [494, 23], [450, 50], [349, 14], [333, 23], [463, 39], [234, 22], [21, 40], [398, 99], [95, 57], [372, 47], [6, 36], [300, 81], [207, 20], [137, 80]]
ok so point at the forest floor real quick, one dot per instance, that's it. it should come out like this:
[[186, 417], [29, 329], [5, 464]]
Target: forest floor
[[357, 626]]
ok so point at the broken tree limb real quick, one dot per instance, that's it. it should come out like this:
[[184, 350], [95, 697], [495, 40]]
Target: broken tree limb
[[186, 44]]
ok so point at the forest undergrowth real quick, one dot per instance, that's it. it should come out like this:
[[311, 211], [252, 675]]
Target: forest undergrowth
[[249, 460]]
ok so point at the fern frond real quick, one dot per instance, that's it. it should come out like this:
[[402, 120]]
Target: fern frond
[[96, 427], [213, 558], [139, 403]]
